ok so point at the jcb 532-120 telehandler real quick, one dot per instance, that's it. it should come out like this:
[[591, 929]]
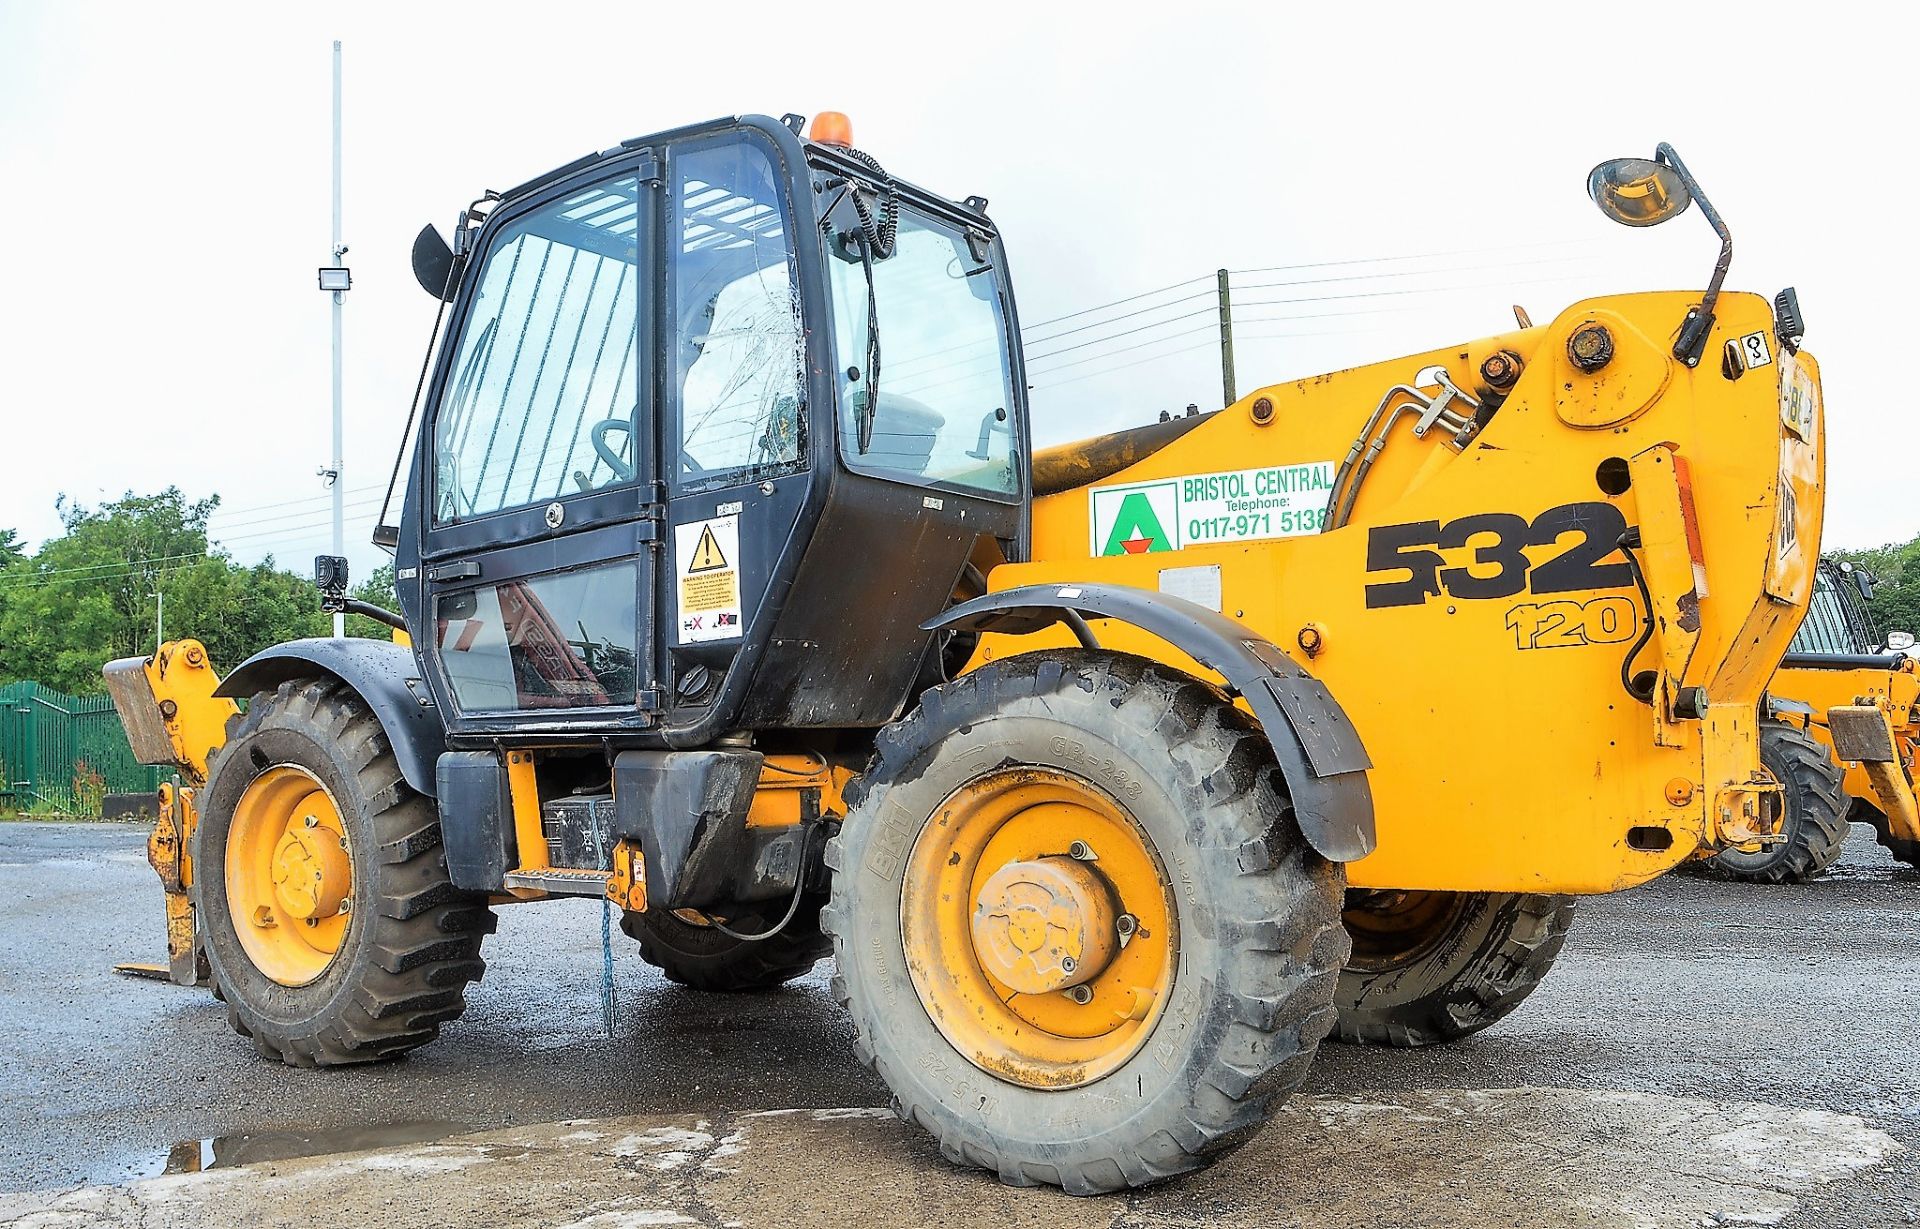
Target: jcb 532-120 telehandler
[[1842, 737], [735, 594]]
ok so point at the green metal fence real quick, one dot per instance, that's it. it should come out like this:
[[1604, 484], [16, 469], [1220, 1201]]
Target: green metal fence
[[63, 753]]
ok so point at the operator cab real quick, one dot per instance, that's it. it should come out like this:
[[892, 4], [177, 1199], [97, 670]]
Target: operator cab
[[720, 419]]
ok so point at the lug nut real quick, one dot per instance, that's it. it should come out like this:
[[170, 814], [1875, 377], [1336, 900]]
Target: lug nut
[[1081, 995], [1125, 925], [1080, 851], [310, 821]]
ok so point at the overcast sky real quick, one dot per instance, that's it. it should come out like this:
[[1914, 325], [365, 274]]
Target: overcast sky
[[166, 178]]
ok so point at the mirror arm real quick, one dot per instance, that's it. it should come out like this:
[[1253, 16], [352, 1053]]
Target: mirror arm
[[1692, 341]]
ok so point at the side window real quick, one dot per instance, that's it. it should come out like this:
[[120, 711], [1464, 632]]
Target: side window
[[542, 399], [740, 350]]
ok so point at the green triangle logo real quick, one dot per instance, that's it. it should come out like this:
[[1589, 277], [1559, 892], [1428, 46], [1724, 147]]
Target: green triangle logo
[[1136, 530]]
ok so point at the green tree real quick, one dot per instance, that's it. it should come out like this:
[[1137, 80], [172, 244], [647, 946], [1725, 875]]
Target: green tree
[[1896, 591], [378, 590], [89, 595]]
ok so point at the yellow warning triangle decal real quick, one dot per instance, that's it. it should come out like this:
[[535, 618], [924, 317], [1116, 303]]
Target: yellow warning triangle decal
[[706, 555]]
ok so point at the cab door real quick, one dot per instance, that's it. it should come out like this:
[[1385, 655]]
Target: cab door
[[737, 438], [540, 473]]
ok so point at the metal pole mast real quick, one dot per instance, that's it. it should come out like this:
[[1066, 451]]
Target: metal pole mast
[[339, 305], [1227, 382]]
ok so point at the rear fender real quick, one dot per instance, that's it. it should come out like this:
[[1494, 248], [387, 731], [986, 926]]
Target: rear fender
[[1319, 751], [383, 674]]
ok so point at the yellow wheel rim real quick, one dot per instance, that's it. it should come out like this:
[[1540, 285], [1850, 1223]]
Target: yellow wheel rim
[[289, 875], [1040, 930]]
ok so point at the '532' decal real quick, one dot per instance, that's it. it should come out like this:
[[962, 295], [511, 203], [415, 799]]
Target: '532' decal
[[1499, 567]]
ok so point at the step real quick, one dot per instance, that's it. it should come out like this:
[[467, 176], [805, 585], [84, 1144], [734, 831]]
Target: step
[[560, 881]]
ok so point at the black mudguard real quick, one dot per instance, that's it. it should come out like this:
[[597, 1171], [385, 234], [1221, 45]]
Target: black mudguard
[[1319, 751], [384, 674]]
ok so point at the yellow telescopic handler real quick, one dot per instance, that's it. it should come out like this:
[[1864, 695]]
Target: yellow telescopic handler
[[734, 594]]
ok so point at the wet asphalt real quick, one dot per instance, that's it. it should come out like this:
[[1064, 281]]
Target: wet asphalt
[[1801, 997]]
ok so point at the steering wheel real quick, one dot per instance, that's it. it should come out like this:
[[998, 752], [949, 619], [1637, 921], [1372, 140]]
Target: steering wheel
[[621, 467]]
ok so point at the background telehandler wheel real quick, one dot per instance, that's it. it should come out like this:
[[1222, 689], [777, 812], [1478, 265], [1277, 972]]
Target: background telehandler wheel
[[1429, 967], [703, 958], [1076, 926], [1902, 849], [1815, 825], [324, 905]]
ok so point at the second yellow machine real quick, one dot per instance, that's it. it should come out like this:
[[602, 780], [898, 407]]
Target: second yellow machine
[[1117, 776]]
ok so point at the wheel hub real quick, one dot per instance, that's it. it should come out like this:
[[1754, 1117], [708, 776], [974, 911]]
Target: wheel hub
[[311, 876], [289, 875], [1045, 925]]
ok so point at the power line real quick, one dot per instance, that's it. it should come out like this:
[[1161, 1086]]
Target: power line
[[1185, 298], [287, 503], [92, 574], [1145, 294], [1381, 260]]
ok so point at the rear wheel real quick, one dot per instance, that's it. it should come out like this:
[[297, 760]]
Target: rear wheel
[[692, 951], [1814, 821], [330, 926], [1078, 930], [1429, 967]]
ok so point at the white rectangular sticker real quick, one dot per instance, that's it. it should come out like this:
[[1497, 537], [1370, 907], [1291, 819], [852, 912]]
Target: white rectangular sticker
[[1243, 505], [1198, 585], [706, 566], [1754, 350]]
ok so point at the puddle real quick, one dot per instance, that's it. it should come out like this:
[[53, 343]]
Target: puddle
[[192, 1156]]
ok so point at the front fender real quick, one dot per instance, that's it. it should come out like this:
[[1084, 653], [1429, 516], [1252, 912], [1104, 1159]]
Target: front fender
[[382, 673], [1319, 751]]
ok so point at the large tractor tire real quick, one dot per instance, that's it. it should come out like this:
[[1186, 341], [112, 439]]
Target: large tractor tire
[[1077, 928], [1431, 967], [332, 931], [701, 957], [1815, 822]]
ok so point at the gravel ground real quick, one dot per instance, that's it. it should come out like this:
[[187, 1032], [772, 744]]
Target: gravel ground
[[1804, 998]]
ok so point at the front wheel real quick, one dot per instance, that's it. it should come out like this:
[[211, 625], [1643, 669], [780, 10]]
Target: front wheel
[[1076, 925], [332, 930], [1429, 967]]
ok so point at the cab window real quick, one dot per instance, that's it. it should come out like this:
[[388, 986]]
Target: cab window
[[740, 349], [943, 415], [541, 400]]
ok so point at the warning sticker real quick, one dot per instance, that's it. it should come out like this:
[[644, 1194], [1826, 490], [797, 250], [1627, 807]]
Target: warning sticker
[[707, 579], [1244, 505]]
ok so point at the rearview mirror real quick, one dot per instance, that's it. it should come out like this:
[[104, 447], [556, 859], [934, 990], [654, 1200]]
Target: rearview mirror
[[1638, 191], [433, 263], [1899, 642]]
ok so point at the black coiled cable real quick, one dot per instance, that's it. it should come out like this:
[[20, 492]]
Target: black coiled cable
[[880, 234], [1627, 544]]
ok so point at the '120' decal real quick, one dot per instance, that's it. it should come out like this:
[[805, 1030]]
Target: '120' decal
[[1499, 567]]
